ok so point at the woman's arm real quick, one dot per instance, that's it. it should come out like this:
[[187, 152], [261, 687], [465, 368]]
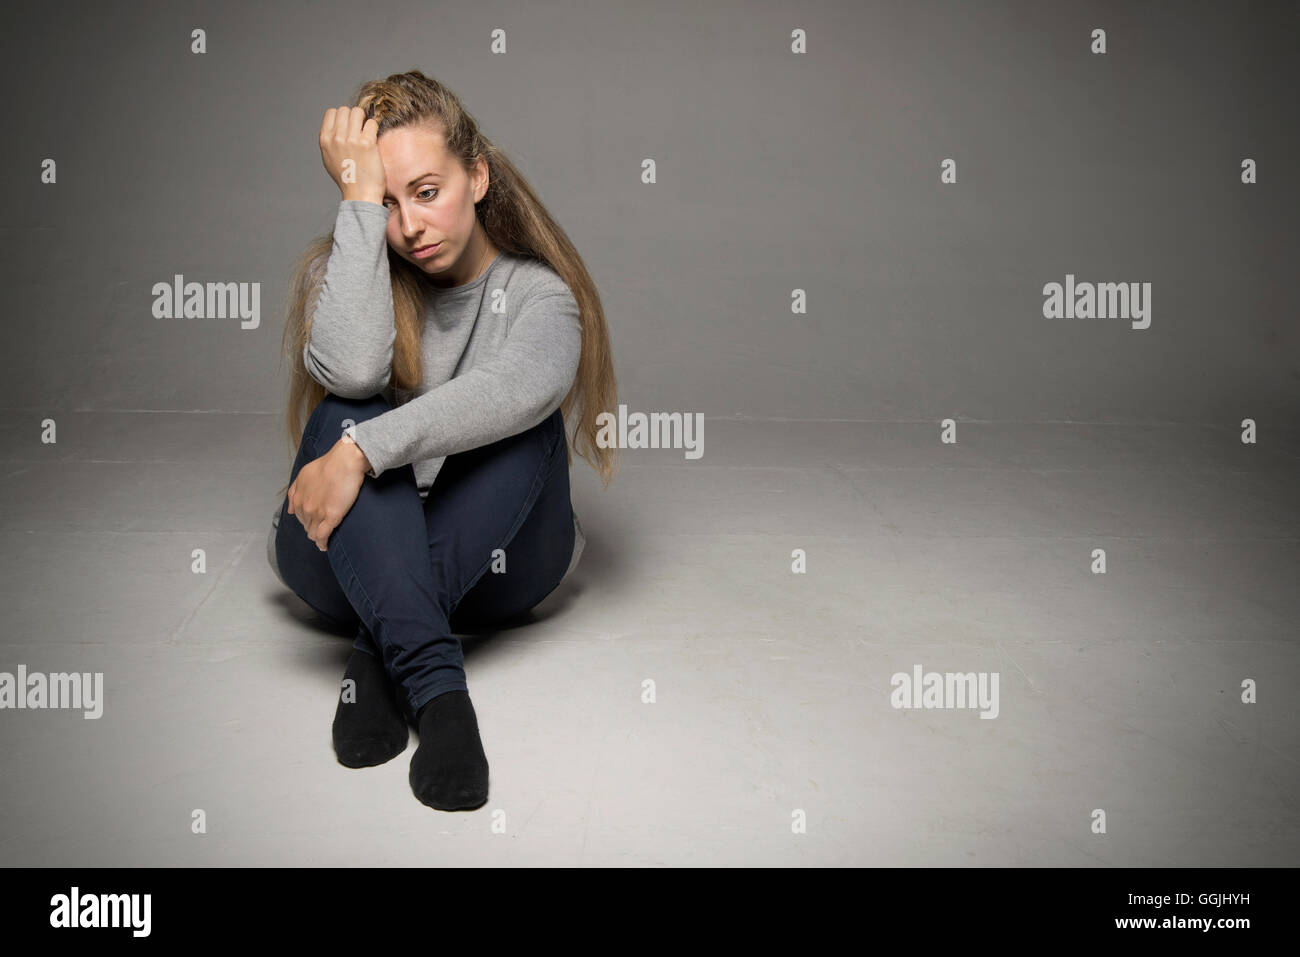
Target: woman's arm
[[350, 346], [505, 394], [349, 349]]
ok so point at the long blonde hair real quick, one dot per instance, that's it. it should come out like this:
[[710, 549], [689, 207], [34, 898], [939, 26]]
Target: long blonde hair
[[516, 222]]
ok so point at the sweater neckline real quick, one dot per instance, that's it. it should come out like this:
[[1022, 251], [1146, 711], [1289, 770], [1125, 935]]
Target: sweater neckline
[[439, 292]]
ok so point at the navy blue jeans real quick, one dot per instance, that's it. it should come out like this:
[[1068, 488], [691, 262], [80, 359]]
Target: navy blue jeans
[[410, 572]]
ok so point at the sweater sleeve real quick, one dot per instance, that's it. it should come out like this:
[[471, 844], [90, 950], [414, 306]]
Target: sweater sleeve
[[349, 348], [507, 393]]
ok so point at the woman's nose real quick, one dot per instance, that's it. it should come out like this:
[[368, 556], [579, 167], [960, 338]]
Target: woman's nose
[[410, 227]]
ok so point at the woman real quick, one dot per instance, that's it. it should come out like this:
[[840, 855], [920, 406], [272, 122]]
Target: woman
[[440, 336]]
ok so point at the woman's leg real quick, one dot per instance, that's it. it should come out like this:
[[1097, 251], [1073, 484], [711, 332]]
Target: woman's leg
[[370, 721], [474, 512], [376, 565], [535, 558]]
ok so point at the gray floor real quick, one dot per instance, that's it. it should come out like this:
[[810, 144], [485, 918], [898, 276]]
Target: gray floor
[[1119, 692]]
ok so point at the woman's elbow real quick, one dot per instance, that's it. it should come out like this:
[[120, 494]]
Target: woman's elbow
[[344, 378], [348, 388], [366, 388]]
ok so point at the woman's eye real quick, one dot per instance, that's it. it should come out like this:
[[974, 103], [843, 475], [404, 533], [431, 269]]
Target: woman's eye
[[427, 189]]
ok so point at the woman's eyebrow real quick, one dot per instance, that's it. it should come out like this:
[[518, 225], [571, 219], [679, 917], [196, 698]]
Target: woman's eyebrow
[[423, 176]]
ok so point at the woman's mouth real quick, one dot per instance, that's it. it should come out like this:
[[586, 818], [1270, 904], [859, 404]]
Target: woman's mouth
[[424, 252]]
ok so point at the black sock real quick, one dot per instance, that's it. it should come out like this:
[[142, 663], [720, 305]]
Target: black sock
[[449, 770], [369, 726]]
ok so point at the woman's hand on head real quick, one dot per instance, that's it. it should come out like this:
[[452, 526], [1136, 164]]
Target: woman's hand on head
[[324, 490], [346, 134]]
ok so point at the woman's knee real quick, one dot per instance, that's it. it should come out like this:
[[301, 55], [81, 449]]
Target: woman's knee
[[334, 413]]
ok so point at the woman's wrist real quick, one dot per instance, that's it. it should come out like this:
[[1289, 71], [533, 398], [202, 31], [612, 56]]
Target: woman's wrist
[[364, 196], [363, 463]]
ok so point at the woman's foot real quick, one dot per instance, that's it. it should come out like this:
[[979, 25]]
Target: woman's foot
[[369, 727], [449, 770]]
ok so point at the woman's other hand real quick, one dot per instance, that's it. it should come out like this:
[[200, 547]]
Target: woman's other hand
[[324, 490]]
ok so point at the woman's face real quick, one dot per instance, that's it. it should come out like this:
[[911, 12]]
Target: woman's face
[[430, 200]]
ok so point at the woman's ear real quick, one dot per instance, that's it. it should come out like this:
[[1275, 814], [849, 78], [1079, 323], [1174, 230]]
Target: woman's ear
[[483, 178]]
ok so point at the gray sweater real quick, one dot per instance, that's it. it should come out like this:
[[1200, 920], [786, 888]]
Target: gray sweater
[[500, 354]]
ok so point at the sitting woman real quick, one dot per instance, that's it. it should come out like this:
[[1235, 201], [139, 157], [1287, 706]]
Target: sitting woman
[[440, 338]]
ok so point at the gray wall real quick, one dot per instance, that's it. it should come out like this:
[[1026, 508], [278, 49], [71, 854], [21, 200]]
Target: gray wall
[[775, 171]]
